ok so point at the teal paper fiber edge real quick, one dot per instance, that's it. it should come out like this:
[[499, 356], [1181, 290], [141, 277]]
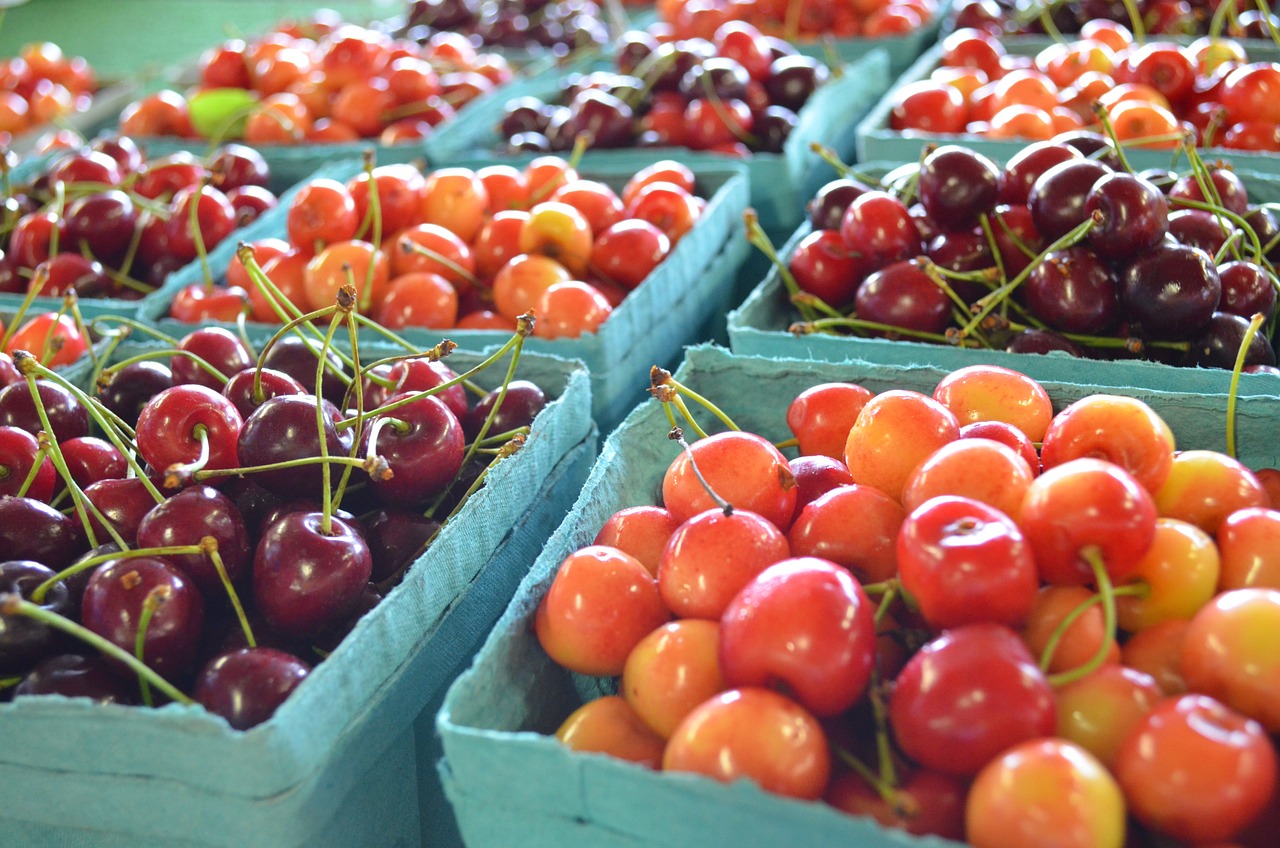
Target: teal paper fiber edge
[[876, 141], [649, 326], [510, 782], [261, 787], [780, 183], [758, 327]]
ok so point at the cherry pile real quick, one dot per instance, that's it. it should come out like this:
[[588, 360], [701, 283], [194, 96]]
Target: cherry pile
[[40, 86], [561, 27], [208, 524], [1154, 93], [807, 20], [54, 338], [106, 221], [319, 82], [734, 92], [1063, 249], [472, 249], [961, 613], [1159, 17]]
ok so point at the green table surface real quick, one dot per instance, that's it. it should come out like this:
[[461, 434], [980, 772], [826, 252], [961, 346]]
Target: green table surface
[[147, 38]]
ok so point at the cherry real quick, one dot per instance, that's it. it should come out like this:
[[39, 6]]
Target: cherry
[[186, 519], [299, 359], [1074, 291], [215, 220], [128, 389], [67, 417], [114, 603], [1199, 228], [307, 577], [247, 685], [171, 424], [1057, 199], [901, 294], [219, 347], [234, 166], [240, 389], [284, 428], [879, 228], [101, 223], [1171, 291], [75, 676], [422, 442], [31, 529], [1227, 187], [1026, 166], [1247, 289], [826, 209], [90, 459], [1133, 216], [18, 450], [420, 374], [123, 502], [520, 405], [1218, 344], [25, 641], [957, 186], [396, 535]]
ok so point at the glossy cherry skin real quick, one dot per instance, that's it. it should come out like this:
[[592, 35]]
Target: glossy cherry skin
[[284, 428], [132, 386], [267, 382], [167, 428], [90, 459], [25, 641], [1073, 291], [123, 502], [420, 374], [957, 186], [1171, 291], [74, 676], [305, 581], [520, 405], [217, 346], [18, 450], [67, 417], [901, 294], [880, 229], [1218, 344], [1057, 198], [423, 444], [1246, 289], [396, 535], [31, 529], [246, 686], [299, 360], [186, 519], [805, 624], [943, 706], [1134, 216], [113, 604]]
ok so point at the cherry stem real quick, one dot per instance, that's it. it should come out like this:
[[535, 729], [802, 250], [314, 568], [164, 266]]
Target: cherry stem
[[178, 472], [410, 246], [201, 363], [33, 291], [1255, 323], [12, 604], [346, 300], [155, 598], [759, 239], [375, 213], [660, 377], [892, 588], [829, 155], [356, 387], [819, 325], [37, 463], [38, 594], [1109, 128], [133, 325], [887, 793], [209, 546], [241, 471], [1107, 594], [787, 443], [1135, 21], [987, 303], [197, 237], [502, 395], [677, 435], [292, 326], [1240, 222], [501, 438], [368, 323], [888, 773]]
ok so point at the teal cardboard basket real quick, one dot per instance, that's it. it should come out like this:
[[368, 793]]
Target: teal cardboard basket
[[875, 140], [759, 327], [512, 783], [781, 183], [335, 767], [674, 306]]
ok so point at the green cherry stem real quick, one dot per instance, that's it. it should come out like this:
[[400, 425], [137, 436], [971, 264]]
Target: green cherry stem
[[209, 546], [193, 221], [1107, 596], [38, 594], [346, 300], [1255, 323], [12, 604], [155, 598], [33, 290], [662, 377], [375, 213], [759, 239]]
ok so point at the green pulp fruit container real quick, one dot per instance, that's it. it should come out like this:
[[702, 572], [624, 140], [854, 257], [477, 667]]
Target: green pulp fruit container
[[510, 782]]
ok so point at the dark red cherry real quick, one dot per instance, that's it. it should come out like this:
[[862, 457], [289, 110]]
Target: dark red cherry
[[1057, 198], [284, 428], [1218, 344], [396, 535], [101, 223], [25, 641], [123, 502], [186, 519], [171, 424], [31, 529], [216, 346], [113, 607], [878, 227], [520, 405], [247, 685], [306, 580], [903, 295], [957, 186], [422, 443], [1017, 239], [1247, 288], [67, 417], [1131, 216], [420, 374], [129, 389], [72, 272], [792, 79], [827, 208], [823, 265], [816, 475], [1072, 290], [1171, 291], [90, 459], [1200, 228], [297, 358], [1225, 183], [1043, 341], [1093, 145], [75, 676], [250, 388], [18, 450], [237, 165]]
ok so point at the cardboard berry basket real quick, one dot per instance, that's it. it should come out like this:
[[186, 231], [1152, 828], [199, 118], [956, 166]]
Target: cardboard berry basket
[[759, 326], [336, 765], [674, 305], [93, 307], [780, 182], [876, 141], [511, 782]]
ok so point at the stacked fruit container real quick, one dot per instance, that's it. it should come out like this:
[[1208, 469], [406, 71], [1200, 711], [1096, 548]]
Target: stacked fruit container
[[374, 471]]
